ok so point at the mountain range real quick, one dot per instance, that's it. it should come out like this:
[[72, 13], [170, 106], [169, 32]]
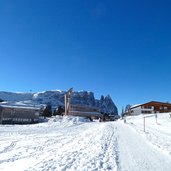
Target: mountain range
[[56, 98]]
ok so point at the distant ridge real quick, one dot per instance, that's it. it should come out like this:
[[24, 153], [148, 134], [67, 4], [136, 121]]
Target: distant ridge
[[56, 98]]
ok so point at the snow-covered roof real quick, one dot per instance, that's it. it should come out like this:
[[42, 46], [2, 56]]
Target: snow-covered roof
[[21, 107], [136, 105]]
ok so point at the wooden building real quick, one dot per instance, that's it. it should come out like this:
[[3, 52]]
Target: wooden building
[[19, 114], [150, 108], [84, 111], [79, 110]]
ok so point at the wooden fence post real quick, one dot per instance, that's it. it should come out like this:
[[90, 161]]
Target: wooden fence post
[[65, 96], [156, 118], [144, 123]]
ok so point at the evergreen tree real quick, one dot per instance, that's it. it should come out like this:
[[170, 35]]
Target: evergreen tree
[[122, 114], [1, 100], [127, 108], [59, 111], [47, 111]]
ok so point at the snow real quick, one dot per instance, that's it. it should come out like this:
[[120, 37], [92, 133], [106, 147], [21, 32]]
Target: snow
[[74, 143], [10, 96], [137, 154], [136, 105], [159, 134], [21, 106]]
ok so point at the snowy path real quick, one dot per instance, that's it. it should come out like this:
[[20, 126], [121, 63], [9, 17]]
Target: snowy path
[[159, 134], [68, 145], [135, 153]]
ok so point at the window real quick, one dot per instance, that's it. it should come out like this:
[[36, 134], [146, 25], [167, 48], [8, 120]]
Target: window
[[146, 112], [147, 107]]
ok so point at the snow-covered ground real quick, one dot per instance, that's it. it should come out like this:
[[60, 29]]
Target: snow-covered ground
[[76, 145], [158, 132]]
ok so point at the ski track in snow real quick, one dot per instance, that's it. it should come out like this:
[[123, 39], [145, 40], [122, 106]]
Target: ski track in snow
[[9, 148], [68, 145], [135, 153]]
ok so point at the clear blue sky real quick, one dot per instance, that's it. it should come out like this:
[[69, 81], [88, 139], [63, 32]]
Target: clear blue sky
[[121, 48]]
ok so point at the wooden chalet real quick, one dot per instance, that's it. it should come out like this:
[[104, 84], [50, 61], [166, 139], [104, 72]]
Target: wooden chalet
[[150, 108]]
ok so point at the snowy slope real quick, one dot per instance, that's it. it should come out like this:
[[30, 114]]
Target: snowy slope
[[76, 145], [10, 96]]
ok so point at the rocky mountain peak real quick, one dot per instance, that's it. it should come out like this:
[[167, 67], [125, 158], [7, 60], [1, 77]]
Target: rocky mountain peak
[[56, 98]]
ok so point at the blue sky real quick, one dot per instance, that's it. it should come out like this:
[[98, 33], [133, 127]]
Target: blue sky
[[121, 48]]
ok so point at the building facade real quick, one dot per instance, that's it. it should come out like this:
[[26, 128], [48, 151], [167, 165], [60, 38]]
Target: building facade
[[84, 111], [150, 108], [19, 114]]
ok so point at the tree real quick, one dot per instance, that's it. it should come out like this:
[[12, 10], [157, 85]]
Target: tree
[[127, 108], [1, 100], [59, 111], [47, 111], [122, 114]]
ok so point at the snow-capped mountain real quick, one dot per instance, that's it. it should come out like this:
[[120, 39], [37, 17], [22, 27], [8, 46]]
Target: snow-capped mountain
[[10, 96], [56, 98]]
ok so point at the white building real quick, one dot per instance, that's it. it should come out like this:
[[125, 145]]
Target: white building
[[149, 108]]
